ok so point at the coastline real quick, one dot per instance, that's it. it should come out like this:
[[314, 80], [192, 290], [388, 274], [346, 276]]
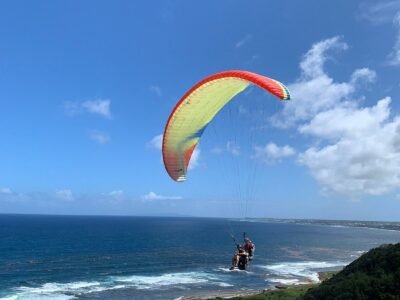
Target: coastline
[[176, 263], [277, 290], [377, 225]]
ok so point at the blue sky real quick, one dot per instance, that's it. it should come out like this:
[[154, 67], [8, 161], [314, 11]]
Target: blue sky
[[86, 89]]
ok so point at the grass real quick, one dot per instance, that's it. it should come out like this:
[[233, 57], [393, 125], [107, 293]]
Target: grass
[[289, 293]]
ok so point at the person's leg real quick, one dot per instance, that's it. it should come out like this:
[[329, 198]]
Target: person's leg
[[235, 260], [242, 264]]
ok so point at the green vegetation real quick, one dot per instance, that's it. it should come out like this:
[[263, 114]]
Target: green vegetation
[[283, 293], [289, 293], [373, 276]]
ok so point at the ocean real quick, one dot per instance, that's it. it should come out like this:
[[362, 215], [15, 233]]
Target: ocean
[[99, 257]]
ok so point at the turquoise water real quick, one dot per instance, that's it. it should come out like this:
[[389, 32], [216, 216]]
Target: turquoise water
[[71, 257]]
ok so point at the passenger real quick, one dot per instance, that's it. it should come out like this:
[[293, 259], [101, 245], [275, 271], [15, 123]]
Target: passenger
[[249, 247], [240, 259]]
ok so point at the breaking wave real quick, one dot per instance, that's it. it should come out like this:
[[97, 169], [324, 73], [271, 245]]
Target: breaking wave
[[64, 291]]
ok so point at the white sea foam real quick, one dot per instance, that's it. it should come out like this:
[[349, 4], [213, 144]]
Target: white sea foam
[[284, 281], [57, 291], [358, 253], [11, 297], [224, 284], [154, 282], [228, 270], [64, 291], [305, 270]]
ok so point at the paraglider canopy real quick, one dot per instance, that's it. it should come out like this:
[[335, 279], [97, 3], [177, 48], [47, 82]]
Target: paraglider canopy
[[198, 107]]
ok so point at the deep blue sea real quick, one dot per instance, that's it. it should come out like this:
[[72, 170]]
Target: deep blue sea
[[81, 257]]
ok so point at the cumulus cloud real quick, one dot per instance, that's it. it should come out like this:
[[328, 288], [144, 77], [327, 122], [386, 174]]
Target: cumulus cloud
[[233, 148], [379, 12], [153, 197], [117, 194], [156, 142], [243, 41], [348, 121], [365, 159], [99, 137], [314, 60], [272, 152], [65, 194], [6, 191], [394, 56], [194, 160], [315, 91], [358, 148], [100, 107], [363, 75]]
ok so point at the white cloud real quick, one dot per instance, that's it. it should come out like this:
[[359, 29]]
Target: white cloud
[[379, 12], [315, 91], [65, 194], [363, 75], [99, 137], [233, 148], [153, 196], [394, 56], [358, 148], [314, 60], [194, 160], [365, 157], [156, 89], [101, 107], [385, 12], [243, 41], [6, 191], [156, 142], [350, 121], [271, 152], [117, 194]]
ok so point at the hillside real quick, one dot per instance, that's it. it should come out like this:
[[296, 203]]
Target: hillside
[[375, 275]]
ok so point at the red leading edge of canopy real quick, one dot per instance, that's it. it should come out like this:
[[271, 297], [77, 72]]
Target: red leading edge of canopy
[[263, 82]]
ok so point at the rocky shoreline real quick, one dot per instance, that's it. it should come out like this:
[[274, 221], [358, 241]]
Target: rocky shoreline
[[270, 291]]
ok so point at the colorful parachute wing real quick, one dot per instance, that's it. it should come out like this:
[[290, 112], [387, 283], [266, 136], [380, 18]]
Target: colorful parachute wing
[[198, 107]]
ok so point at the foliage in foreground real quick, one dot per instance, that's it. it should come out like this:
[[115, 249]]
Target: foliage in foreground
[[373, 276], [290, 293]]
